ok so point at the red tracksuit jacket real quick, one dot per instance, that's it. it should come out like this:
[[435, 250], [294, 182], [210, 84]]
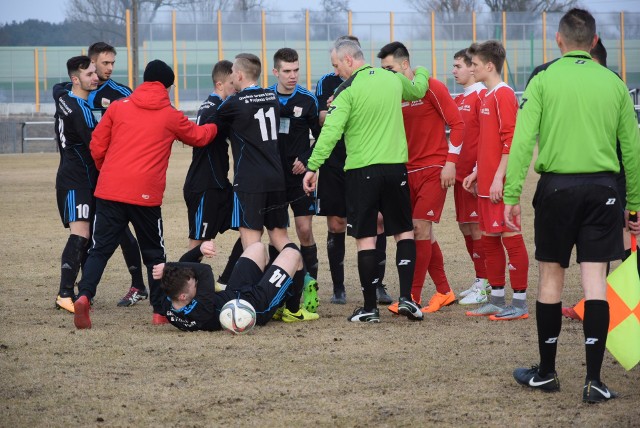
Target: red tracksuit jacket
[[132, 143]]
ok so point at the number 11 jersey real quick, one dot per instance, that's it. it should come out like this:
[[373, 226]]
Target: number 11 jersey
[[251, 119]]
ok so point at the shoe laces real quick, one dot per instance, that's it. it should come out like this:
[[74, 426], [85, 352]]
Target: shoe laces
[[130, 293]]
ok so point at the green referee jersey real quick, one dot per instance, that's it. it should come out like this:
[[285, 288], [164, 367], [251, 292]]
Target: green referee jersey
[[576, 109], [368, 111]]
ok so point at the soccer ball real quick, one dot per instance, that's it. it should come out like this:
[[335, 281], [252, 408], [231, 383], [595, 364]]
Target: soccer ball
[[237, 316]]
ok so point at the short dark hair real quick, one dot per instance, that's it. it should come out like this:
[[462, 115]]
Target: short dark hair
[[463, 54], [249, 64], [99, 47], [490, 51], [348, 37], [578, 26], [284, 55], [174, 279], [77, 63], [397, 49], [599, 53], [221, 70]]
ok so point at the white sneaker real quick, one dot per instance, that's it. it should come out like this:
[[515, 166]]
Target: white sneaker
[[475, 297], [478, 284]]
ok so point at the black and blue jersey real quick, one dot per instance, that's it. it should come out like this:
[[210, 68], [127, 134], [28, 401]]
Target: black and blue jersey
[[203, 312], [325, 88], [251, 119], [298, 116], [74, 123], [106, 93], [209, 164]]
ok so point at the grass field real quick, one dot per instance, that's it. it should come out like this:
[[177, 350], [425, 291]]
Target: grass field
[[447, 371]]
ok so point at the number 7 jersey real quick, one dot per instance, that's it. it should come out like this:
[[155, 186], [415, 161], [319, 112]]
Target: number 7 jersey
[[251, 119]]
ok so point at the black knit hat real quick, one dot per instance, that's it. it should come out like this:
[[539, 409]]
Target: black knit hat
[[159, 71]]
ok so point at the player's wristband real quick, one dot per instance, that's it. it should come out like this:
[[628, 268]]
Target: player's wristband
[[310, 170]]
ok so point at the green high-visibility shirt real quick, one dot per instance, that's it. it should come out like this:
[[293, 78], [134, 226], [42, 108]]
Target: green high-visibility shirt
[[368, 111], [577, 109]]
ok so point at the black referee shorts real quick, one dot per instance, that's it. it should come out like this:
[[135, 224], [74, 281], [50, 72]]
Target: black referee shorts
[[581, 210], [331, 198], [265, 291], [374, 188]]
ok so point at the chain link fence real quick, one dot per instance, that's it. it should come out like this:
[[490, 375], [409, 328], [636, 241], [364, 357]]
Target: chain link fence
[[432, 40]]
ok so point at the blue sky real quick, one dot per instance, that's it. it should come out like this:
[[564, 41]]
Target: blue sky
[[54, 10]]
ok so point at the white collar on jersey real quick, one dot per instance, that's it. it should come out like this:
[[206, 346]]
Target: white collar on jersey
[[476, 87]]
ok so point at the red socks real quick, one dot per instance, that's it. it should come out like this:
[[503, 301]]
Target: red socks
[[518, 261], [436, 270], [475, 248], [423, 258], [495, 260]]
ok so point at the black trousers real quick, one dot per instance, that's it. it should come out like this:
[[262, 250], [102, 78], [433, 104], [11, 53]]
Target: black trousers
[[111, 220]]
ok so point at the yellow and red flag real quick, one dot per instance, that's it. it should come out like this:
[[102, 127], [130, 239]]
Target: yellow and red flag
[[623, 295]]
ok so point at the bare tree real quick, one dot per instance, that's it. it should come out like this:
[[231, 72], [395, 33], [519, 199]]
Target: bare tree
[[324, 19], [530, 5], [425, 6], [334, 6], [107, 17], [106, 12]]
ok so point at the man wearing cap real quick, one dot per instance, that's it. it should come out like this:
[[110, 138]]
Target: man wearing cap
[[131, 147]]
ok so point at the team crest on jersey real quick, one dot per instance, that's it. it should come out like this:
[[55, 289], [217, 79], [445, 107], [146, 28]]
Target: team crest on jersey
[[105, 102], [297, 111]]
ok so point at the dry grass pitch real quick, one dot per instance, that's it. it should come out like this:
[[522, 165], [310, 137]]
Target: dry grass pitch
[[448, 370]]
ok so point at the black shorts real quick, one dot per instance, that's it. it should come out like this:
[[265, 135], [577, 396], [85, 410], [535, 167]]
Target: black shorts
[[331, 198], [265, 291], [621, 187], [209, 212], [581, 210], [301, 203], [75, 205], [374, 188], [257, 210]]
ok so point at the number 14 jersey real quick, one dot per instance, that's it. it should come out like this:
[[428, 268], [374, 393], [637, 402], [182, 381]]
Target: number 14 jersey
[[251, 119]]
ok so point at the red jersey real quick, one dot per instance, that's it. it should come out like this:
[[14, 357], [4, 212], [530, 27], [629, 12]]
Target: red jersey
[[497, 118], [424, 125], [469, 106], [132, 143]]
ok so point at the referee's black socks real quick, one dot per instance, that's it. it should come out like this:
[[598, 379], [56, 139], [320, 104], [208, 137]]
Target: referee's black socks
[[549, 321], [381, 252], [596, 329], [406, 262], [367, 271]]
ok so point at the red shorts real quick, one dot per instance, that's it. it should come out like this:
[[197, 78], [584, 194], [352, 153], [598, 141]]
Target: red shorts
[[427, 195], [466, 205], [491, 216]]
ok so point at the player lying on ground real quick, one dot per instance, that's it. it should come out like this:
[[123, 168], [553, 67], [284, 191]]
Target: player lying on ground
[[193, 304]]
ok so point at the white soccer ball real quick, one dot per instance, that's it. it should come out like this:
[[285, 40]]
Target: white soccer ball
[[237, 316]]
